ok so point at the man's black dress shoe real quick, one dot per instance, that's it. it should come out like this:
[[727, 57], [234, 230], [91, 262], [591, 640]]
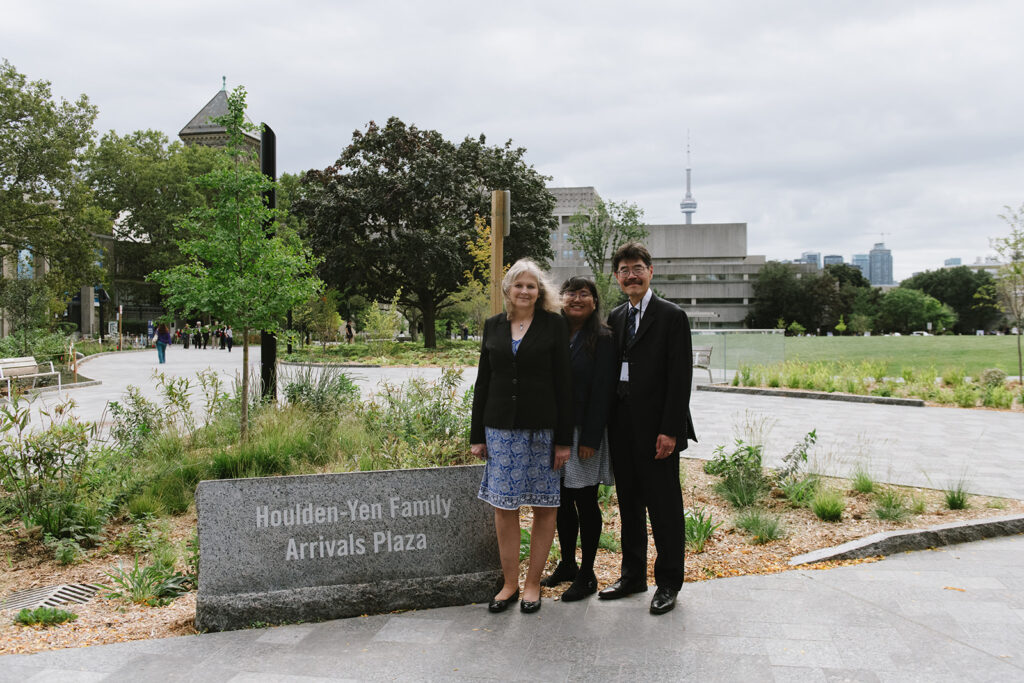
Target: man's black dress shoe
[[621, 589], [663, 601], [530, 606], [565, 571], [497, 605]]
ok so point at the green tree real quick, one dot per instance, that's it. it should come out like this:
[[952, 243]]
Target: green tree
[[957, 287], [597, 232], [1009, 285], [25, 302], [396, 214], [776, 296], [44, 206], [906, 310], [238, 266], [320, 315], [145, 184]]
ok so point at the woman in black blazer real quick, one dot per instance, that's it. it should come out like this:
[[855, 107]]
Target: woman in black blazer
[[592, 353], [522, 423]]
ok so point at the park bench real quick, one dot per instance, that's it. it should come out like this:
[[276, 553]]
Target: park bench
[[702, 359], [25, 368]]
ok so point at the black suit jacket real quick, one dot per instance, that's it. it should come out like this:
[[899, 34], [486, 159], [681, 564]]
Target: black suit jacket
[[529, 390], [660, 371], [593, 387]]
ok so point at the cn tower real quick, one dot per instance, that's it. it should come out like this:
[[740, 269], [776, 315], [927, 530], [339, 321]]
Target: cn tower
[[689, 205]]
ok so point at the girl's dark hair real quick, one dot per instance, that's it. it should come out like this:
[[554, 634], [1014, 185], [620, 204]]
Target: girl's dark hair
[[162, 327], [594, 327]]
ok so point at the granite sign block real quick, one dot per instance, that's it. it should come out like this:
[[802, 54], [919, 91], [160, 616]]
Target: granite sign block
[[305, 548]]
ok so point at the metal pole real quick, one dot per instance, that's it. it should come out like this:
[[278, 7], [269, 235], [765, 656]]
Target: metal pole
[[501, 220], [268, 345]]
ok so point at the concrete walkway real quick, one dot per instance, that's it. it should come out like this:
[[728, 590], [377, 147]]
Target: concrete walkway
[[953, 614]]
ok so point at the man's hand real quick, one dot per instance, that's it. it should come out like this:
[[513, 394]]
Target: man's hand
[[665, 446], [586, 452], [561, 456], [479, 450]]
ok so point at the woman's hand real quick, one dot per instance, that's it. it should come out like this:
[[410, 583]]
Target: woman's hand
[[586, 452], [561, 456], [479, 450]]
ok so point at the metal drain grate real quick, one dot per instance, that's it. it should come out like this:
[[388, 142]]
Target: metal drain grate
[[50, 596]]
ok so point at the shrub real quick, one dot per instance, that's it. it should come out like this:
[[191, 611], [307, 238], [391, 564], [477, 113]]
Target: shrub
[[891, 505], [44, 616], [324, 391], [135, 420], [828, 505], [953, 377], [699, 527], [744, 457], [762, 527], [799, 492], [62, 519], [956, 496], [997, 397], [992, 377], [797, 456], [965, 396], [153, 585], [862, 481], [65, 550], [742, 488]]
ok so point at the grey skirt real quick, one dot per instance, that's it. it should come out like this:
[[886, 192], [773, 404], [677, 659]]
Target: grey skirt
[[596, 469]]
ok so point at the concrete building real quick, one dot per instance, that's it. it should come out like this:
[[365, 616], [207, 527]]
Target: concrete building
[[833, 260], [703, 267], [880, 265], [952, 262]]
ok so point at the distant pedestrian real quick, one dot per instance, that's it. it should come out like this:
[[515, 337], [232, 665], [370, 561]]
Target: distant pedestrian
[[448, 329], [230, 337], [162, 338], [349, 333], [465, 332], [223, 338]]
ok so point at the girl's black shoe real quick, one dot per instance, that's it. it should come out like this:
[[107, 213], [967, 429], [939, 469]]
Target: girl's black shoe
[[565, 571]]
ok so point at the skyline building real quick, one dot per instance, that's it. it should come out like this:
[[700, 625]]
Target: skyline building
[[861, 261], [880, 265], [689, 205], [811, 257], [833, 260]]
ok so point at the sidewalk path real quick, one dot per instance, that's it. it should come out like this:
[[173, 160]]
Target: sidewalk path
[[953, 614]]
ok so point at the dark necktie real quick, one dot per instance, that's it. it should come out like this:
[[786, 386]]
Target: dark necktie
[[631, 325]]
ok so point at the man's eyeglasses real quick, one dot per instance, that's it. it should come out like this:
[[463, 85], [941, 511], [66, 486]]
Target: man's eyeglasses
[[635, 270], [581, 295]]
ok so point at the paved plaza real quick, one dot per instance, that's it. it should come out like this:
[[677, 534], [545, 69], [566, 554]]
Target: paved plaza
[[950, 614]]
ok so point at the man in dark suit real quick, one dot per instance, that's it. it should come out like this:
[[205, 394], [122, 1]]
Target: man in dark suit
[[650, 425]]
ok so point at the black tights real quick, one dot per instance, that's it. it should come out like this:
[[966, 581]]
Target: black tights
[[579, 512]]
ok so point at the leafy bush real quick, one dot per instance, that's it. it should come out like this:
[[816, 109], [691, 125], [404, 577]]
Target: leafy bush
[[65, 550], [953, 377], [997, 397], [153, 585], [762, 527], [44, 616], [797, 456], [891, 505], [135, 420], [744, 457], [828, 505], [699, 527], [992, 377], [965, 395]]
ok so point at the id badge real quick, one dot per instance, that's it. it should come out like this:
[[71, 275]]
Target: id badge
[[624, 372]]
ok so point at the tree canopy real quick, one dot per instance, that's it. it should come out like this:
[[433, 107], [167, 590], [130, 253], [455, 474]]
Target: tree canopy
[[44, 206], [958, 288], [907, 310], [396, 213], [597, 232]]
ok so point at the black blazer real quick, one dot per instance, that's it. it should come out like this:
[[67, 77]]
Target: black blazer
[[529, 390], [660, 371], [593, 387]]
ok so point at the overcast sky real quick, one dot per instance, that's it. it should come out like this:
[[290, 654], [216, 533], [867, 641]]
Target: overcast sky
[[825, 126]]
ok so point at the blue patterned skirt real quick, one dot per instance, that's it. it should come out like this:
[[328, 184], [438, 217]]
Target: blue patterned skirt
[[518, 470]]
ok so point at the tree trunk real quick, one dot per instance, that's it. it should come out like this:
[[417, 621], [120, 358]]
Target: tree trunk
[[1020, 364], [244, 423], [429, 313]]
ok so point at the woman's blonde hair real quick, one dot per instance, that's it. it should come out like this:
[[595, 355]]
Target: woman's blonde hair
[[547, 295]]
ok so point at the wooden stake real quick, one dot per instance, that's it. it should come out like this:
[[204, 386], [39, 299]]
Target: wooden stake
[[501, 211]]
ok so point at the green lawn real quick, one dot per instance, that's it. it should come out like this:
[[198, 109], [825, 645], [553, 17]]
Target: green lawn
[[973, 354]]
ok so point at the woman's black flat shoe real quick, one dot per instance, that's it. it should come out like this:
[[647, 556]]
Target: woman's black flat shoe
[[529, 606], [497, 605], [563, 572]]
